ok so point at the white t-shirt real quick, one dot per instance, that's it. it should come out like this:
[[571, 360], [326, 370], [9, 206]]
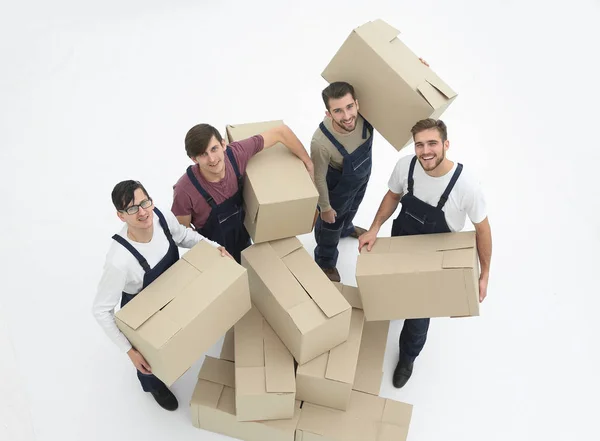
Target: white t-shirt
[[466, 198], [122, 271]]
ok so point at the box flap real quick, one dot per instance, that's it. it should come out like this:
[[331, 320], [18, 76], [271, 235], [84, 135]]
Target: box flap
[[396, 412], [431, 242], [344, 357], [283, 247], [248, 339], [238, 132], [369, 369], [250, 381], [351, 294], [202, 256], [377, 30], [462, 258], [158, 294], [316, 283], [379, 264], [206, 393], [228, 348], [279, 364], [217, 371]]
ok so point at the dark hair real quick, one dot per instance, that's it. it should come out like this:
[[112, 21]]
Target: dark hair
[[123, 193], [198, 137], [336, 90], [430, 123]]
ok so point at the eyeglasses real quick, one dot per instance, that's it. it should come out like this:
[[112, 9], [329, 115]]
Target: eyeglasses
[[133, 209]]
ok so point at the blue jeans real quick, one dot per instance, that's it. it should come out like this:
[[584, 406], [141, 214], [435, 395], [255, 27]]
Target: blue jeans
[[413, 338]]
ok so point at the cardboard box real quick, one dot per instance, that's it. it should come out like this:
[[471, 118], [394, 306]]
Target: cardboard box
[[369, 367], [279, 197], [368, 418], [265, 385], [180, 315], [300, 303], [228, 348], [428, 275], [327, 380], [394, 89], [213, 407]]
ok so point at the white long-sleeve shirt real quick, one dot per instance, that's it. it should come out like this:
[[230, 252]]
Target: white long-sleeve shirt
[[123, 273]]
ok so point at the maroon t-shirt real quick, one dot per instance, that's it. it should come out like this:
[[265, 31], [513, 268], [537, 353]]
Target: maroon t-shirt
[[187, 200]]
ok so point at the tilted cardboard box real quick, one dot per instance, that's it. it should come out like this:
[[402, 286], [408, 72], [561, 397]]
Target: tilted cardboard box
[[296, 298], [369, 367], [265, 385], [327, 380], [367, 418], [279, 197], [394, 89], [176, 318], [428, 275], [213, 407]]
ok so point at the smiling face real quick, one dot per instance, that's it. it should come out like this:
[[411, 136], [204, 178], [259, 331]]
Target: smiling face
[[144, 217], [343, 113], [430, 149], [212, 161]]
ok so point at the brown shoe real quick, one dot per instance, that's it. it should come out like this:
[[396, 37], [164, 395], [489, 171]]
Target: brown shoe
[[358, 231], [332, 273]]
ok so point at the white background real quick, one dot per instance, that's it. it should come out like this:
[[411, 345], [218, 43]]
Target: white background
[[92, 93]]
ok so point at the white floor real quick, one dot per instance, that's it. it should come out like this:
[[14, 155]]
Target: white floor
[[95, 93]]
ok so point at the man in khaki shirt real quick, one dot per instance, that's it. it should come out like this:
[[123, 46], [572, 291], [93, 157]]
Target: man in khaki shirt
[[341, 154]]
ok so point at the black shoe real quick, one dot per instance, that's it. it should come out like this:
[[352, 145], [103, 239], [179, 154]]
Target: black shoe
[[332, 273], [165, 398], [402, 373]]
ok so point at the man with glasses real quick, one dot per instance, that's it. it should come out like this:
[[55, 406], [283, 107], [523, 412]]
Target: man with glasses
[[145, 247]]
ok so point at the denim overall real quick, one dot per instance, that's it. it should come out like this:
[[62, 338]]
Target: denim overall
[[346, 191], [418, 217], [225, 224], [149, 381]]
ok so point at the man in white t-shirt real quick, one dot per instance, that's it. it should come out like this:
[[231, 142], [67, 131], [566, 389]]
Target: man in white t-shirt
[[436, 196], [145, 247]]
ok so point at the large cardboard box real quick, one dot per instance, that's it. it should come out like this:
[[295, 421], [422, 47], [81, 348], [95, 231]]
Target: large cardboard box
[[176, 318], [368, 418], [428, 275], [279, 197], [300, 303], [394, 89], [369, 367], [265, 385], [213, 407], [327, 380]]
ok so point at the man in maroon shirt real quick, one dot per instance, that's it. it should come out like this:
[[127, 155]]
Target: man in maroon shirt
[[208, 196]]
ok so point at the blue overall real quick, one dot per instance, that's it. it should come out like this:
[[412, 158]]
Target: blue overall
[[418, 217], [346, 191], [150, 382], [225, 224]]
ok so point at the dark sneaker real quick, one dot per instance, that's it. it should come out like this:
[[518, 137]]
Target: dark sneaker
[[165, 398], [358, 231], [332, 273], [402, 373]]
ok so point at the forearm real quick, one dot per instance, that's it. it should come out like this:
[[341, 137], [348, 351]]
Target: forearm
[[106, 320], [386, 209], [483, 237], [291, 141]]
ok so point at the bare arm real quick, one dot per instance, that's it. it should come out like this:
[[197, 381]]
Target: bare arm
[[186, 220], [386, 209], [483, 237], [284, 135]]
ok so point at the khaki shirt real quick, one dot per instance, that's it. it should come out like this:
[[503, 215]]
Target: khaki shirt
[[323, 154]]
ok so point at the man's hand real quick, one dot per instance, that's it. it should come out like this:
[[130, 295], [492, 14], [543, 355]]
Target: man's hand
[[310, 168], [367, 239], [424, 62], [139, 361], [328, 216], [483, 283], [224, 252]]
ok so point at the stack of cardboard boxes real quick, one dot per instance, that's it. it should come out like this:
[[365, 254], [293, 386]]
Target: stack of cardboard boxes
[[303, 358]]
